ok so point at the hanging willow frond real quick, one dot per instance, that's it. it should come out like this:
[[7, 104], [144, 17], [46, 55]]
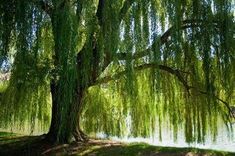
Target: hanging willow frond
[[158, 59]]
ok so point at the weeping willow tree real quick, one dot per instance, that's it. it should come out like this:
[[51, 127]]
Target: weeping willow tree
[[164, 58]]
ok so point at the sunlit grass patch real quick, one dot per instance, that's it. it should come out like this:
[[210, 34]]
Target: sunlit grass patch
[[3, 86], [7, 134], [143, 149]]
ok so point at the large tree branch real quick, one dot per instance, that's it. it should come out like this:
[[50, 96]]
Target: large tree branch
[[126, 6], [122, 13], [99, 12], [169, 70], [162, 40], [43, 6]]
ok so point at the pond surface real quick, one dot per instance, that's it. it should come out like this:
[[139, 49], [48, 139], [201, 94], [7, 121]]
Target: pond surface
[[225, 141]]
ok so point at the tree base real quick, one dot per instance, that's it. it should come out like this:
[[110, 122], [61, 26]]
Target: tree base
[[50, 138], [80, 136]]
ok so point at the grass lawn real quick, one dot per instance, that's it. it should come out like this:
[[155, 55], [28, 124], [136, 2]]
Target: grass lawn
[[12, 144]]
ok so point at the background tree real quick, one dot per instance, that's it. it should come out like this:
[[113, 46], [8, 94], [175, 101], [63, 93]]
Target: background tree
[[66, 46]]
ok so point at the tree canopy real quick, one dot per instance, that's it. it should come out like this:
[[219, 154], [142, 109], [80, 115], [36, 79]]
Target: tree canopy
[[118, 62]]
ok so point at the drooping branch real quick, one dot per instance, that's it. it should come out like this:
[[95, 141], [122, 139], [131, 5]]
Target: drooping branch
[[170, 70], [176, 72], [162, 40], [231, 112]]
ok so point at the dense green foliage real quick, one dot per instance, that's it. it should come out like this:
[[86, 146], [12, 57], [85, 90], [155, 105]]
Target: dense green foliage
[[147, 60]]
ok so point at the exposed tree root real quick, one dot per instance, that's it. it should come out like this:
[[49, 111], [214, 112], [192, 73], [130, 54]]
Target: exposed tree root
[[80, 136]]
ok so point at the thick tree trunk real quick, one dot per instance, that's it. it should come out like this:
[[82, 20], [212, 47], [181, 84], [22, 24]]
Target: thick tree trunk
[[53, 135], [64, 80], [65, 124], [74, 115]]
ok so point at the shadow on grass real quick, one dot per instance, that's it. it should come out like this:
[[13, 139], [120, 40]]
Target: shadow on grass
[[21, 145], [142, 149], [14, 145], [5, 134]]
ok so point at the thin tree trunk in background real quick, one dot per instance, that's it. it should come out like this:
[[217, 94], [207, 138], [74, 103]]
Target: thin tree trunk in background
[[78, 134], [85, 80], [54, 127], [82, 85]]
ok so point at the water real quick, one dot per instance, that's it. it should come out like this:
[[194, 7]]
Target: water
[[223, 141]]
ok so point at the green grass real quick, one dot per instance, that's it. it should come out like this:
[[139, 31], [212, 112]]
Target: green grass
[[7, 134], [3, 86], [143, 149], [12, 144]]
